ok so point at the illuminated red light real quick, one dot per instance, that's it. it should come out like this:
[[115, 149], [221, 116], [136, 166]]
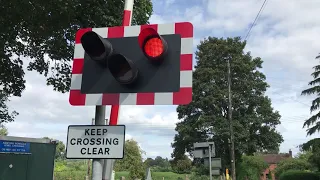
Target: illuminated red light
[[153, 47]]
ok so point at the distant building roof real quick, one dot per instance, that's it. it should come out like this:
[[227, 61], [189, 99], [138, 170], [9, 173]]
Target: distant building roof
[[275, 158]]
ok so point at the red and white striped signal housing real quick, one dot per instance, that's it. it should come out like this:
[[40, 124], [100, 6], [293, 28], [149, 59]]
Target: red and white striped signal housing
[[133, 65]]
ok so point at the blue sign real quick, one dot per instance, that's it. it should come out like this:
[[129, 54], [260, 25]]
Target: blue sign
[[14, 147]]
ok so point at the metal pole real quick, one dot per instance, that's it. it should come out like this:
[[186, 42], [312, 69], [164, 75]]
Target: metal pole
[[126, 21], [107, 169], [107, 166], [88, 161], [97, 164], [233, 162], [127, 12], [114, 113], [210, 165]]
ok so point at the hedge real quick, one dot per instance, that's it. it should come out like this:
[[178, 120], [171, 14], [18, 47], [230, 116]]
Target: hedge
[[70, 175], [80, 175], [299, 175]]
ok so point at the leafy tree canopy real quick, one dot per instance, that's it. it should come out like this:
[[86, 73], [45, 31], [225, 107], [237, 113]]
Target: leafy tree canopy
[[205, 118], [251, 167], [312, 148], [292, 164], [158, 161], [5, 114], [60, 149], [132, 160], [313, 123], [3, 130], [158, 164], [182, 165], [149, 162], [44, 32], [304, 155]]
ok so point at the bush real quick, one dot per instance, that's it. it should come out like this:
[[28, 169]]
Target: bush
[[292, 164], [201, 170], [198, 177], [183, 166], [270, 174], [299, 175], [166, 176], [161, 169], [251, 167], [202, 177], [70, 175]]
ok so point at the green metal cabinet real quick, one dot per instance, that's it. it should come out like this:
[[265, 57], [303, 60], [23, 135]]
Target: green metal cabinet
[[13, 166], [36, 164]]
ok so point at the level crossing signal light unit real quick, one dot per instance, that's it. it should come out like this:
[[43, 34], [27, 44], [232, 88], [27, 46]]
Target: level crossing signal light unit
[[133, 65]]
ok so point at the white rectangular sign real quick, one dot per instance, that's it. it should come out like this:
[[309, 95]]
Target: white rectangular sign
[[95, 142], [202, 144]]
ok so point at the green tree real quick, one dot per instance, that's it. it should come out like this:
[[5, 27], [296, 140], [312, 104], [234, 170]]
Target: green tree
[[292, 164], [3, 130], [201, 169], [159, 161], [273, 151], [47, 35], [182, 165], [60, 149], [251, 167], [313, 147], [158, 164], [149, 162], [60, 166], [313, 123], [304, 155], [205, 118], [132, 160], [5, 114]]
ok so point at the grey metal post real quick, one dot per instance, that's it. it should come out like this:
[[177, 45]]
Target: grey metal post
[[210, 165], [107, 169], [89, 161], [233, 161], [108, 163], [107, 166], [97, 164]]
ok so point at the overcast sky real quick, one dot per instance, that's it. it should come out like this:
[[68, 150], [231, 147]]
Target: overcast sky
[[286, 37]]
